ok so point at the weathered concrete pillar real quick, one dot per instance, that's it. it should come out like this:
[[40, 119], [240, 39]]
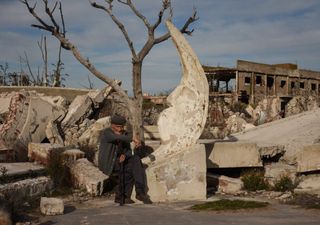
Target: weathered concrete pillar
[[177, 169], [179, 177]]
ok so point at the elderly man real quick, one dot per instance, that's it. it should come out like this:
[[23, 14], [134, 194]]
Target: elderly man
[[115, 152]]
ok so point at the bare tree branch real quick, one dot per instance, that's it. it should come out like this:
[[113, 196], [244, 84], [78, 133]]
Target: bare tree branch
[[66, 44], [50, 14], [183, 30], [119, 24], [165, 5], [29, 67], [62, 20], [138, 14], [44, 55]]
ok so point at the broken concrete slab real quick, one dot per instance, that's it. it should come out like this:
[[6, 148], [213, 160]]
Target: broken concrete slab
[[293, 132], [308, 159], [22, 168], [89, 140], [26, 122], [275, 171], [25, 189], [234, 154], [44, 152], [179, 177], [72, 155], [52, 133], [271, 151], [85, 175], [79, 108], [310, 185], [227, 185], [5, 99], [51, 206]]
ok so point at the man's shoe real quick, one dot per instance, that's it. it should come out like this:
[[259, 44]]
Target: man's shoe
[[144, 198], [126, 201]]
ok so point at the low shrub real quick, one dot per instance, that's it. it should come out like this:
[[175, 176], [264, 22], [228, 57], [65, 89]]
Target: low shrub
[[254, 180], [284, 183]]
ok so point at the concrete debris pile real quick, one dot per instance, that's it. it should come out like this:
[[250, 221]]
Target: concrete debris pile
[[39, 128], [300, 104], [229, 118], [282, 148], [27, 116]]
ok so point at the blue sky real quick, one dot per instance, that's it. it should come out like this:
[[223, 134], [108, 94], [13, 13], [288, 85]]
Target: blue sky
[[266, 31]]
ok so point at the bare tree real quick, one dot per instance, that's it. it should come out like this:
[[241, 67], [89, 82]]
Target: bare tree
[[4, 74], [134, 103], [44, 54]]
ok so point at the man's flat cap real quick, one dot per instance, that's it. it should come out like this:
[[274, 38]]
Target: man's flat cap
[[118, 120]]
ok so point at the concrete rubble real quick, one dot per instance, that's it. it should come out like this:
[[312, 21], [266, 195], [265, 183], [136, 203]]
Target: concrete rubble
[[244, 154], [23, 190], [89, 140], [88, 177], [51, 206], [44, 152], [309, 159], [271, 151], [267, 110], [274, 172], [166, 183], [309, 184], [226, 184], [27, 119], [179, 176]]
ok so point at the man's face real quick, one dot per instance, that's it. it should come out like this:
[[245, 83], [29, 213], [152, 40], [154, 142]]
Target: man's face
[[118, 129]]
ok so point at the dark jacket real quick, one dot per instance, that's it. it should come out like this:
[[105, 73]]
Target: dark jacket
[[111, 146]]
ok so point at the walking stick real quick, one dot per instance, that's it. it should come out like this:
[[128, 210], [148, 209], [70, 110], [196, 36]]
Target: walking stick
[[122, 184]]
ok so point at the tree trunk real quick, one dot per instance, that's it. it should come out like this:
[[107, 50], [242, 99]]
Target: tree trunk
[[136, 107]]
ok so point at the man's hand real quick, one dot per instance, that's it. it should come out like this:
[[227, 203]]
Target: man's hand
[[136, 142], [122, 158]]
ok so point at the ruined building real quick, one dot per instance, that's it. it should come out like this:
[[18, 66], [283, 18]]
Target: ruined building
[[250, 82]]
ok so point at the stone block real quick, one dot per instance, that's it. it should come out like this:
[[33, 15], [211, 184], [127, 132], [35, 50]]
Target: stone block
[[72, 155], [27, 121], [85, 175], [89, 140], [308, 159], [226, 184], [275, 171], [40, 113], [151, 132], [309, 185], [271, 151], [43, 152], [51, 206], [18, 191], [233, 154], [179, 177], [79, 108]]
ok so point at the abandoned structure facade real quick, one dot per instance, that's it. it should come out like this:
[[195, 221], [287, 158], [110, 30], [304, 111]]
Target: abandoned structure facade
[[251, 82]]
